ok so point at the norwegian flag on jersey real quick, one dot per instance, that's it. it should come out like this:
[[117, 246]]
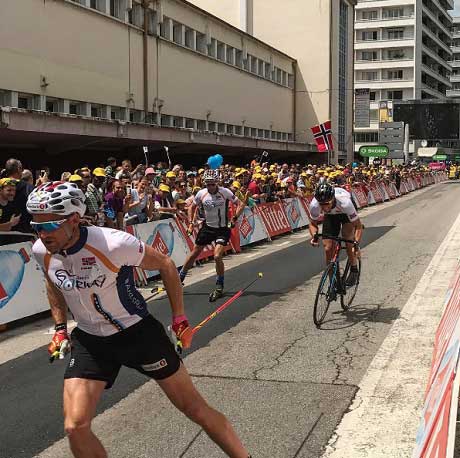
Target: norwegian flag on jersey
[[323, 137]]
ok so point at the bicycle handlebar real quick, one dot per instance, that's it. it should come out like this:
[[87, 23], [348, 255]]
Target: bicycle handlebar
[[337, 239]]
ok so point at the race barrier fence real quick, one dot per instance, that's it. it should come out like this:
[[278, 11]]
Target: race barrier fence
[[22, 290], [436, 433]]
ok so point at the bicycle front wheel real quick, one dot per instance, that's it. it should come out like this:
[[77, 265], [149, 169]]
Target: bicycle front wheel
[[325, 294], [347, 299]]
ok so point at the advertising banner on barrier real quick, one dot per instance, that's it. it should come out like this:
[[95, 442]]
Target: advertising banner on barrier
[[251, 227], [359, 196], [22, 286], [274, 218], [383, 191], [377, 194], [295, 213], [165, 237]]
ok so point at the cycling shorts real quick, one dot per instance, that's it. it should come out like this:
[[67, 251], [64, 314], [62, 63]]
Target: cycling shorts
[[332, 224], [144, 346], [207, 235]]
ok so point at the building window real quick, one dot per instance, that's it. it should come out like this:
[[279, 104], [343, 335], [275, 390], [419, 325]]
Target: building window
[[116, 9], [212, 126], [395, 74], [230, 55], [97, 5], [230, 129], [372, 96], [25, 102], [189, 38], [221, 128], [221, 51], [343, 76], [366, 137], [393, 13], [370, 76], [291, 81], [395, 95], [201, 125], [73, 108], [189, 123], [238, 130], [212, 48], [369, 55], [394, 54], [369, 35], [261, 66], [395, 34], [177, 33], [165, 120], [374, 115], [254, 64], [136, 15], [370, 15], [239, 58], [165, 27], [201, 42]]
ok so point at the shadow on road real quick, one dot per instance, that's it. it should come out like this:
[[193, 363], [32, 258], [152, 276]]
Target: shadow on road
[[360, 313]]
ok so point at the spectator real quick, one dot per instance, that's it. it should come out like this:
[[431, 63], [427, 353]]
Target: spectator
[[164, 203], [13, 169], [116, 205], [78, 180], [94, 198], [180, 191], [9, 218], [139, 204], [85, 174], [111, 167], [126, 168], [27, 177], [65, 176]]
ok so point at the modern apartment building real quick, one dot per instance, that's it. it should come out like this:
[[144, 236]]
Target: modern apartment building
[[454, 92], [402, 52], [319, 35], [116, 74]]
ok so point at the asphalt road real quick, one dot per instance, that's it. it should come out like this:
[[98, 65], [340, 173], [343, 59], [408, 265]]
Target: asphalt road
[[263, 342]]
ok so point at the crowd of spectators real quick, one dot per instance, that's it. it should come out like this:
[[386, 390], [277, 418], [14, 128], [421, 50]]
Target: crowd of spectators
[[120, 194]]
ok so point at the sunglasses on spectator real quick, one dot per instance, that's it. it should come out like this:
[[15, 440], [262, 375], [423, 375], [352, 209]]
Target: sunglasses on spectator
[[47, 226]]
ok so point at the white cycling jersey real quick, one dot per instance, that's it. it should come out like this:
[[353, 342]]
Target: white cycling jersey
[[343, 206], [215, 206], [96, 279]]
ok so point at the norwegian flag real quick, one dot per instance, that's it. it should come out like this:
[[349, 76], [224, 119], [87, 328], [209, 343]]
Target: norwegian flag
[[323, 137], [3, 293]]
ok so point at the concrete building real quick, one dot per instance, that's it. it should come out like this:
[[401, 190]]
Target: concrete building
[[402, 52], [319, 34], [98, 75], [454, 92]]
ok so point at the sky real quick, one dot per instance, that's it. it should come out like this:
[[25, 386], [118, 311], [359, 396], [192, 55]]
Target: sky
[[457, 7]]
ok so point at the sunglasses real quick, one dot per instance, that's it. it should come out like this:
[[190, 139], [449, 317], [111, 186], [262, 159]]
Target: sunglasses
[[47, 226]]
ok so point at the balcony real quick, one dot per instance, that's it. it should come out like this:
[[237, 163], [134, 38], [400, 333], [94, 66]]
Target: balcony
[[436, 39], [433, 16], [401, 21], [455, 49], [365, 4], [456, 34], [379, 44], [433, 55], [453, 93], [433, 91], [433, 73], [455, 63], [384, 63], [455, 78], [384, 84]]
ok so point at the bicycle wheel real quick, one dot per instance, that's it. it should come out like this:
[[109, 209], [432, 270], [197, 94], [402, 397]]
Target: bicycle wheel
[[350, 292], [325, 294]]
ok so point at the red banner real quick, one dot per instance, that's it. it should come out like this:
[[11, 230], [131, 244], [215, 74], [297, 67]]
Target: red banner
[[274, 218], [361, 195], [378, 196]]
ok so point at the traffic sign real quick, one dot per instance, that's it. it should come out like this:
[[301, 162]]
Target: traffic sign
[[373, 151], [440, 157]]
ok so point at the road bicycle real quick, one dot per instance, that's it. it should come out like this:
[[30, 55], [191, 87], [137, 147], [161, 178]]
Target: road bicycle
[[333, 282]]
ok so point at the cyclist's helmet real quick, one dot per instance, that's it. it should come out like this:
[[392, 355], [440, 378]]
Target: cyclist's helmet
[[211, 175], [60, 197], [324, 192]]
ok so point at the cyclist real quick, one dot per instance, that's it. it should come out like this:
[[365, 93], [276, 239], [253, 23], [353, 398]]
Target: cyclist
[[88, 269], [214, 202], [336, 205]]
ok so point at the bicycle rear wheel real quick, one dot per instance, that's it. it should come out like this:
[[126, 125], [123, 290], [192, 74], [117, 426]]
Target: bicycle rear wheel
[[325, 293], [347, 299]]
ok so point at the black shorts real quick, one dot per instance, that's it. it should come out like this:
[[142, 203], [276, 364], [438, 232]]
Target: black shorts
[[333, 223], [144, 346], [207, 235]]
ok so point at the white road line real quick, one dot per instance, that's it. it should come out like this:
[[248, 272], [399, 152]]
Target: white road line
[[253, 255], [391, 392], [282, 243], [207, 272]]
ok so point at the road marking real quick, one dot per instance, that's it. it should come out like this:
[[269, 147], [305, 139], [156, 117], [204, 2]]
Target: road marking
[[391, 392], [207, 272], [283, 243], [253, 255]]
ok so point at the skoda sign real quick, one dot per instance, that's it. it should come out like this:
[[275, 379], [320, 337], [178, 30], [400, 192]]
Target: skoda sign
[[373, 151]]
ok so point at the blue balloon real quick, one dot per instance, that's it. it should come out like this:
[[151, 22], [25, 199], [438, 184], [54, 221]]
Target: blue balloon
[[220, 159], [215, 162]]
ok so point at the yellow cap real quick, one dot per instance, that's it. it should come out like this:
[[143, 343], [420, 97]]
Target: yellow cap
[[164, 187], [180, 201], [75, 178], [99, 172], [236, 184], [237, 169], [257, 176], [200, 171], [170, 175], [8, 182], [303, 174]]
